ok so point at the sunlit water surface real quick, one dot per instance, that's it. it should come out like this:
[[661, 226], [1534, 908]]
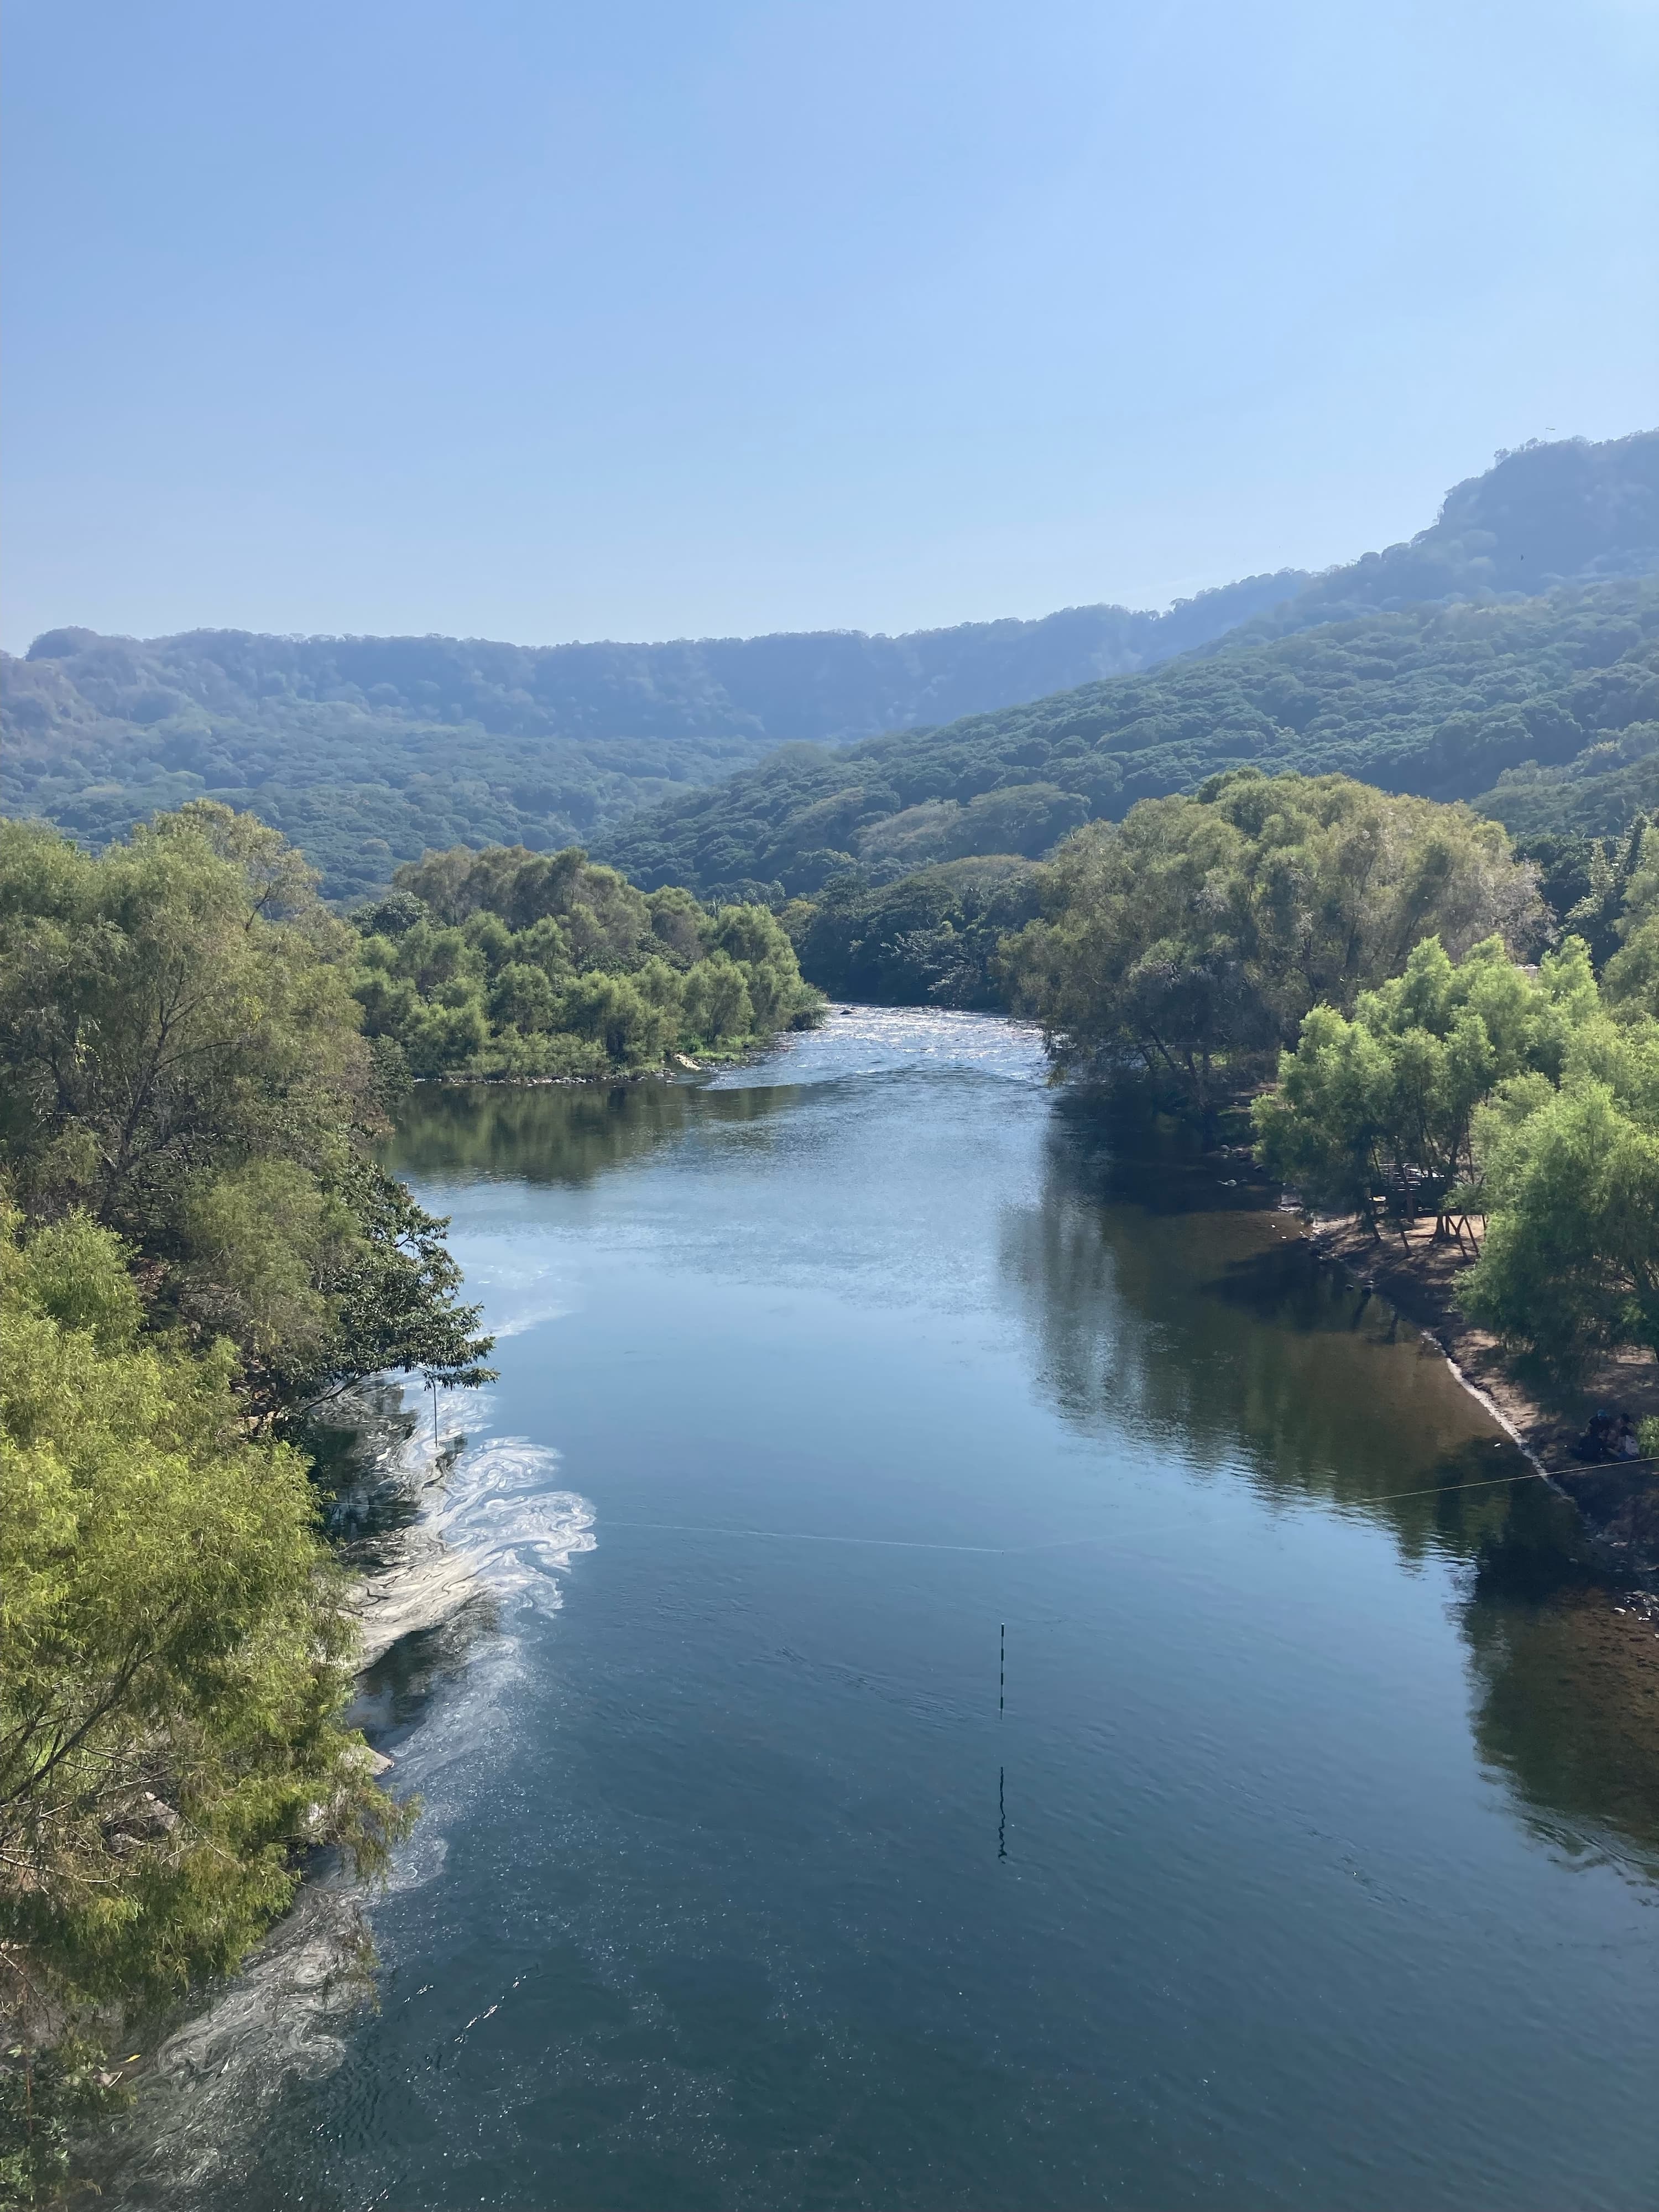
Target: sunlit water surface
[[1309, 1860]]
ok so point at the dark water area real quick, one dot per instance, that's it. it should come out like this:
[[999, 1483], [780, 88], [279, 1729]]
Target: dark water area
[[1304, 1855]]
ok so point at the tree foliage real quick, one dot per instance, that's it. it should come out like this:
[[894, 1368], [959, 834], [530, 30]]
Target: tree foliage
[[512, 963], [933, 938], [1543, 713], [1633, 970], [1191, 937], [197, 1245], [1567, 1174], [174, 1661], [183, 1061], [1526, 1097], [1382, 1107]]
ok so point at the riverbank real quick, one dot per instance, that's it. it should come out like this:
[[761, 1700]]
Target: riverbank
[[403, 1575], [1620, 1503]]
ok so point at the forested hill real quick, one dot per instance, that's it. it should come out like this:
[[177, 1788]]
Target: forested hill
[[1548, 514], [369, 750], [1545, 712]]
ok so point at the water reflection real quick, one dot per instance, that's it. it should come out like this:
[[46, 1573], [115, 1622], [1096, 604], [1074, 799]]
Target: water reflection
[[1167, 1297], [555, 1134], [1163, 1301], [709, 1903]]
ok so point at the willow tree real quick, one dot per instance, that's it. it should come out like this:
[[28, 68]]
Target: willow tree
[[174, 1664], [183, 1061], [1191, 939], [1382, 1107], [1568, 1176]]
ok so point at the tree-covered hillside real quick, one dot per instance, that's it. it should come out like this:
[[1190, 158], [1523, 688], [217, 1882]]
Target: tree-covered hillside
[[1544, 712], [371, 750], [1547, 514]]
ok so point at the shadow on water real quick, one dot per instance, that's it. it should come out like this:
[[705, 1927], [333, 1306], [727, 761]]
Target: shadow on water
[[1172, 1299], [1169, 1295], [557, 1133], [709, 1936], [395, 1694]]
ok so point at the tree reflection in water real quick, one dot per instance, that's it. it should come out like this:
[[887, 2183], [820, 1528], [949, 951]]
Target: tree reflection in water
[[1167, 1302]]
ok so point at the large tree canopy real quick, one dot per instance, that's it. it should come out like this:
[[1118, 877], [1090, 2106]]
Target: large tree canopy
[[1568, 1176], [1383, 1106], [183, 1061], [1194, 936], [174, 1661], [519, 963]]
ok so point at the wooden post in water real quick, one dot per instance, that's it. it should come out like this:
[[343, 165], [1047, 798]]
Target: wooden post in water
[[1002, 1665]]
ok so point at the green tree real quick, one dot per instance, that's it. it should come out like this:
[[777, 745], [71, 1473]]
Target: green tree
[[183, 1060], [175, 1658], [507, 962], [1383, 1105], [718, 1009], [1568, 1176], [1192, 937], [1632, 972]]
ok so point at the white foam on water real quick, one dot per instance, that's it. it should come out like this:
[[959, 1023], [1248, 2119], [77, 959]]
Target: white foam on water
[[531, 1316], [499, 1512], [493, 1521], [521, 1294], [206, 2097], [861, 1041]]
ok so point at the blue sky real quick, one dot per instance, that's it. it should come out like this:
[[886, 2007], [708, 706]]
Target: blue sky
[[647, 321]]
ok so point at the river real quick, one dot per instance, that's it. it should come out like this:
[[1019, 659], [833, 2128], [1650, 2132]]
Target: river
[[1301, 1852]]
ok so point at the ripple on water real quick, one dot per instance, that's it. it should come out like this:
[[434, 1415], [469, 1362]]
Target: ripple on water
[[862, 1040]]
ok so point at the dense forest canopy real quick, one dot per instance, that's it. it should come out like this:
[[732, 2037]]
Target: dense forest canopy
[[1543, 712], [1189, 941], [367, 751], [198, 1248], [508, 963], [370, 750]]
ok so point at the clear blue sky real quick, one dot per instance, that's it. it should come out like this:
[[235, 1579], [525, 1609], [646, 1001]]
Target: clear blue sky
[[662, 318]]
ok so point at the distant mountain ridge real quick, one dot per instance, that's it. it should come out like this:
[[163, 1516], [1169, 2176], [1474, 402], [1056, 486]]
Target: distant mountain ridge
[[1569, 512], [1543, 712], [367, 750]]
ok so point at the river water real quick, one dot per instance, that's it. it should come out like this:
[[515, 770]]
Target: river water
[[1302, 1851]]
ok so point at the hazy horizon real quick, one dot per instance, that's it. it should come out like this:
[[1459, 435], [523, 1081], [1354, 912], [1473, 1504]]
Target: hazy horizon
[[539, 328]]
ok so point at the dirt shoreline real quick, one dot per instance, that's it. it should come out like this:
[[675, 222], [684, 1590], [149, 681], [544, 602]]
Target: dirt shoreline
[[1620, 1503]]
